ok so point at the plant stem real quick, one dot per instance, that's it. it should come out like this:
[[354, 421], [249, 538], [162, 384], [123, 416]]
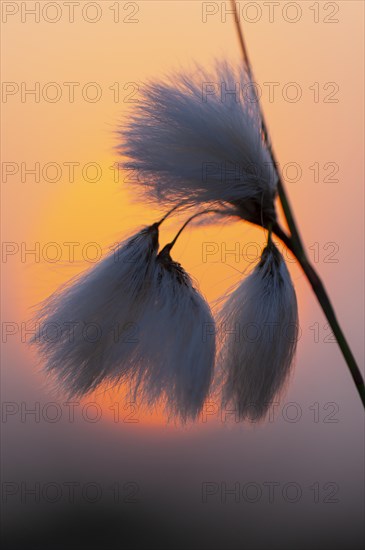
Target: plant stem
[[295, 245], [323, 299], [202, 213]]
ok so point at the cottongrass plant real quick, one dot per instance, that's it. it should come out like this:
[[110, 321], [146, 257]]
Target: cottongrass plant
[[259, 325], [173, 364], [192, 151], [190, 146], [112, 295], [135, 286]]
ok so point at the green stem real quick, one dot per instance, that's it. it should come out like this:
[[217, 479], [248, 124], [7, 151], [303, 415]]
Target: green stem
[[295, 245]]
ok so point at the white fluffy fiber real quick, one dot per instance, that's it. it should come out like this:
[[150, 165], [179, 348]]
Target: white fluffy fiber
[[173, 132], [258, 328], [100, 305], [168, 357], [174, 361]]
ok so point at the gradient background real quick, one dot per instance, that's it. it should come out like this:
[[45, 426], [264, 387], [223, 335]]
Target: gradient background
[[170, 464]]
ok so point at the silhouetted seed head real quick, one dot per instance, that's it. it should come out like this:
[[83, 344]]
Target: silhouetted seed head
[[108, 297], [193, 147], [173, 364], [255, 368]]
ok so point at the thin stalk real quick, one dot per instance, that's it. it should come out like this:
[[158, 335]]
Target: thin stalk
[[295, 245], [322, 296], [157, 224], [171, 244]]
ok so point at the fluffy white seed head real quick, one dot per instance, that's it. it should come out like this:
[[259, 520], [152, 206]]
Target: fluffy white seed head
[[84, 326], [135, 318], [192, 140], [258, 327], [174, 360]]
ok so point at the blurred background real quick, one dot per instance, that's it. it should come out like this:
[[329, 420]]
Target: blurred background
[[103, 473]]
